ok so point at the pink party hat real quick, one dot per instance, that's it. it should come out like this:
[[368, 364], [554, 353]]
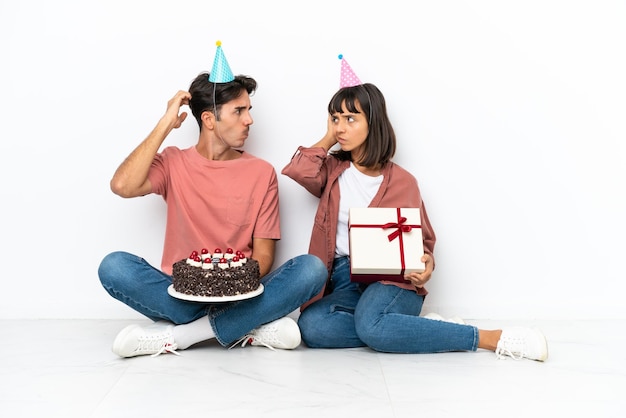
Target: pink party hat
[[220, 73], [348, 78]]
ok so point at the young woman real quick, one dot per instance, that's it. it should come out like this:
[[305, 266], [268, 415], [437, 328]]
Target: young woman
[[384, 316]]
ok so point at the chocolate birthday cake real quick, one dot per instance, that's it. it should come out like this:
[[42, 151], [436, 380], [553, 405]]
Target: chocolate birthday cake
[[217, 274]]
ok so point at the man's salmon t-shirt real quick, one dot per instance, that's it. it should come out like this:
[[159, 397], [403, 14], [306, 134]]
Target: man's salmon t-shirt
[[214, 204]]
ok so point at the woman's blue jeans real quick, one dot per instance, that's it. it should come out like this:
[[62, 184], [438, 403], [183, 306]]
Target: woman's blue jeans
[[131, 280], [382, 317]]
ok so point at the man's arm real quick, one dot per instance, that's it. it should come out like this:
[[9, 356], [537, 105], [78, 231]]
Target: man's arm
[[131, 177], [263, 250]]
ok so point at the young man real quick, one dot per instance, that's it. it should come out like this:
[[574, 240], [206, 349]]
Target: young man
[[216, 194]]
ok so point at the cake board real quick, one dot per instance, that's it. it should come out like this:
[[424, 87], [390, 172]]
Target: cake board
[[214, 299]]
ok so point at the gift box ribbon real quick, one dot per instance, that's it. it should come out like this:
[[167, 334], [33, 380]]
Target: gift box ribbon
[[399, 226]]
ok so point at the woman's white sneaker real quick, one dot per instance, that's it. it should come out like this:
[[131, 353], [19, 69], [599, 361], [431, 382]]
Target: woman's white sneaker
[[520, 342], [454, 319]]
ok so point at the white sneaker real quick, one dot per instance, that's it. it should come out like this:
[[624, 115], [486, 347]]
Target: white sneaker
[[138, 341], [521, 342], [282, 333], [454, 319], [457, 320]]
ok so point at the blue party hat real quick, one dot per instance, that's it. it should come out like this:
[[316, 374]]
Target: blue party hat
[[220, 73]]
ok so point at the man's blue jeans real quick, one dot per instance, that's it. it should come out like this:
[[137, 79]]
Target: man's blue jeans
[[133, 281], [382, 317]]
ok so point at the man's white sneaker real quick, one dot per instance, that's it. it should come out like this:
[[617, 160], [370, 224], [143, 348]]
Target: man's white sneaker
[[521, 342], [283, 333], [138, 341], [454, 319]]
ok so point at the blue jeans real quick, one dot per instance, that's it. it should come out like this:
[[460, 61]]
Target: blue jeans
[[382, 317], [131, 280]]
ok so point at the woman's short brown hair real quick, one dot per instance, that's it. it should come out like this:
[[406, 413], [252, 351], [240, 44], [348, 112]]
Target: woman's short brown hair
[[380, 143]]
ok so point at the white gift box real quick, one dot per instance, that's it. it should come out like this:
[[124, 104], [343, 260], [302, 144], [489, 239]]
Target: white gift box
[[385, 243]]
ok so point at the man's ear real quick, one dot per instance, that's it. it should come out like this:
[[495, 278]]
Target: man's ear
[[208, 119]]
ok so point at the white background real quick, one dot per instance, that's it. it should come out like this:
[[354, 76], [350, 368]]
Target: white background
[[510, 114]]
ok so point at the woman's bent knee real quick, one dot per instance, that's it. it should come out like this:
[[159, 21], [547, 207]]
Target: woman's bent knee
[[307, 322]]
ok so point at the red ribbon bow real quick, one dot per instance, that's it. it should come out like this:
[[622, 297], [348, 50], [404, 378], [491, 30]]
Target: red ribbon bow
[[400, 228]]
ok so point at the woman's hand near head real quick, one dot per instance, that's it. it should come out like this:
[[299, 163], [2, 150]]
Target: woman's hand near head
[[329, 140]]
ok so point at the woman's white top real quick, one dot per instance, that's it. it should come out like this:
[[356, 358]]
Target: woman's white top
[[356, 191]]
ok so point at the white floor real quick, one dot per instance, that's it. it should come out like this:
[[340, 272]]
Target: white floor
[[65, 368]]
